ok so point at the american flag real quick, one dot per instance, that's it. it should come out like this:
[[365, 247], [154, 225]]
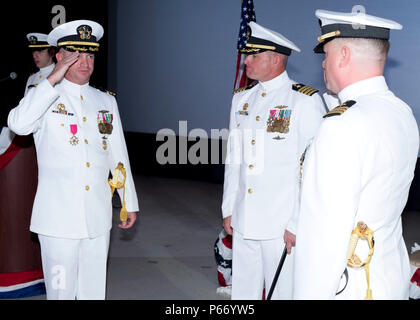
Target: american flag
[[8, 149], [247, 15]]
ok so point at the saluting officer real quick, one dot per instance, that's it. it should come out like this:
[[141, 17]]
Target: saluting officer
[[43, 55], [72, 213], [357, 172], [271, 124]]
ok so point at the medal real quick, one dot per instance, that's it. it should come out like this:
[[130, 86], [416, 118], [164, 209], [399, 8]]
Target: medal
[[279, 121], [61, 108], [105, 127], [73, 140]]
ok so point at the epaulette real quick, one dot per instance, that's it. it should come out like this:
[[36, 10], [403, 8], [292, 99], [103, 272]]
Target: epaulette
[[106, 91], [32, 86], [309, 91], [340, 109], [111, 93], [245, 88]]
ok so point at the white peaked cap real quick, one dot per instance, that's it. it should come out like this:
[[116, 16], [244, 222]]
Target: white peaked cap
[[262, 39], [352, 25]]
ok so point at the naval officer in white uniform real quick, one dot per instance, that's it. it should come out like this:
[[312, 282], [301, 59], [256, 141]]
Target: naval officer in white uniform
[[271, 124], [358, 169], [43, 55], [79, 139]]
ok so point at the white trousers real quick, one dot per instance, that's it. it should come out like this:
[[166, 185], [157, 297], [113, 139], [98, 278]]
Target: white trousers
[[74, 268], [254, 265]]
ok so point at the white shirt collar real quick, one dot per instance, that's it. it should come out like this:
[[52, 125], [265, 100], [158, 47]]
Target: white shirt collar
[[276, 82], [362, 88], [72, 87]]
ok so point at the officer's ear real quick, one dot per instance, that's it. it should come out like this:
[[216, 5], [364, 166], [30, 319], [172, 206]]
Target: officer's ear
[[345, 56], [275, 57], [280, 59], [59, 56]]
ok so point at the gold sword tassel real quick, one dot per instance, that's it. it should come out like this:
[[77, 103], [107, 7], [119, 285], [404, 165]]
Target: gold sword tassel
[[361, 231], [116, 183]]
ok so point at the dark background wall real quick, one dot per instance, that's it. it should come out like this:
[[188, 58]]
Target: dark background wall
[[174, 60]]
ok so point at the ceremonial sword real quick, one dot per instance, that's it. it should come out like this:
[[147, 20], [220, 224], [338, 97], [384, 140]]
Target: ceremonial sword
[[280, 266], [276, 276]]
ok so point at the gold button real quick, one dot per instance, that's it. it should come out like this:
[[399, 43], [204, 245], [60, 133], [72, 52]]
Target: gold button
[[62, 124], [251, 166], [238, 124], [81, 97], [250, 191], [87, 188], [86, 141], [258, 118], [88, 164], [40, 76], [263, 94], [84, 119], [253, 142]]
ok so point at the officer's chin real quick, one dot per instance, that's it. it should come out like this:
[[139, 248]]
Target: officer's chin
[[85, 74], [329, 88]]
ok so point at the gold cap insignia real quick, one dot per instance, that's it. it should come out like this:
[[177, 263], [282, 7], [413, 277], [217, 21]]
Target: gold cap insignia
[[33, 39], [85, 32]]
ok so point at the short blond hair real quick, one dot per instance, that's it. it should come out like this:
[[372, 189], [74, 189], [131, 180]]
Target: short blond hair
[[376, 49]]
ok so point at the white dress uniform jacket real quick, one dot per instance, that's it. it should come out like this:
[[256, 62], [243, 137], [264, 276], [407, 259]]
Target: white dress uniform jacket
[[358, 168], [270, 127], [36, 78], [73, 198]]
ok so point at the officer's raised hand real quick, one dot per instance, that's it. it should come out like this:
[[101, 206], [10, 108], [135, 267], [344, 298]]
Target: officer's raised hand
[[64, 62]]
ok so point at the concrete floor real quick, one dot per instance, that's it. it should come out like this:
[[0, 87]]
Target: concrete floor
[[168, 254]]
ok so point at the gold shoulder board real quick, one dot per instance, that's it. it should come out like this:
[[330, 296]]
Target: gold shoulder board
[[106, 91], [309, 91], [111, 93], [340, 109], [244, 88]]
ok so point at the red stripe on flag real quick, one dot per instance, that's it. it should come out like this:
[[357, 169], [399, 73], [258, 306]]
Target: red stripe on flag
[[244, 79], [221, 279], [416, 277], [238, 66], [227, 241], [11, 279], [8, 155]]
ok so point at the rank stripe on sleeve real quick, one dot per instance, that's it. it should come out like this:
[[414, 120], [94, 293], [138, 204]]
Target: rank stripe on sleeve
[[307, 90], [340, 109]]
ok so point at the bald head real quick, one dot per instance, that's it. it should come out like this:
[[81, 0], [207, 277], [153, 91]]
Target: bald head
[[349, 60], [371, 50]]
